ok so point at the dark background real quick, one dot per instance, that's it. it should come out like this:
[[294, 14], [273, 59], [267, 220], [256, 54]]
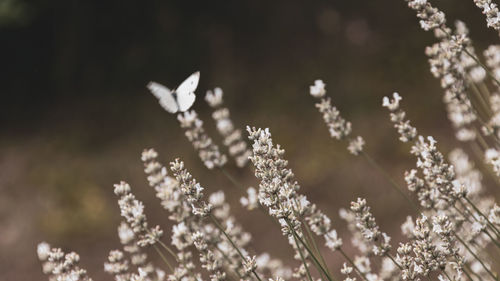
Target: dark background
[[75, 113]]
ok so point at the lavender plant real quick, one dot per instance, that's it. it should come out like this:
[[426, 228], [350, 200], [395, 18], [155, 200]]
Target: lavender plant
[[453, 234]]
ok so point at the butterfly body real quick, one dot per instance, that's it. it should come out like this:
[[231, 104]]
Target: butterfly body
[[180, 99]]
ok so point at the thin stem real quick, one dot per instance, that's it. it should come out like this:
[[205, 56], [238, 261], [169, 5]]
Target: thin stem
[[394, 261], [232, 179], [488, 255], [307, 239], [484, 89], [448, 276], [497, 232], [492, 76], [479, 96], [394, 185], [315, 246], [172, 254], [468, 219], [302, 258], [476, 257], [216, 222], [466, 271], [480, 139], [164, 258], [471, 271], [228, 261], [361, 274], [482, 122], [330, 278], [480, 159], [168, 250]]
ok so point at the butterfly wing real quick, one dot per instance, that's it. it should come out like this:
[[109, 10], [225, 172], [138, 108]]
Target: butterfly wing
[[164, 95], [185, 91]]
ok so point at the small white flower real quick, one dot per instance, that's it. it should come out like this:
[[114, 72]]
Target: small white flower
[[465, 134], [122, 188], [250, 264], [250, 202], [318, 89], [332, 240], [125, 233], [214, 99], [477, 74], [43, 250], [356, 145], [393, 104], [346, 270], [217, 198]]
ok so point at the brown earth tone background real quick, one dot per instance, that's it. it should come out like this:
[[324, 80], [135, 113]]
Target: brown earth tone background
[[75, 114]]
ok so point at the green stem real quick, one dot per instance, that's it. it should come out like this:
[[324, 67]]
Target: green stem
[[168, 250], [330, 278], [480, 139], [492, 226], [492, 76], [394, 261], [302, 258], [315, 246], [479, 96], [173, 255], [480, 159], [228, 260], [484, 89], [216, 222], [164, 258], [470, 221], [476, 257], [361, 274]]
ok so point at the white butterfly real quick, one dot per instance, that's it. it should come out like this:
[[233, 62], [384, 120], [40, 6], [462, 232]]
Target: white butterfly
[[180, 99]]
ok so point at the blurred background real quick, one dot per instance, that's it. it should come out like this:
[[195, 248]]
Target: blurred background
[[75, 114]]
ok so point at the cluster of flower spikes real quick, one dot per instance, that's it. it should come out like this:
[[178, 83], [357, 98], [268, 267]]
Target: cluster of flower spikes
[[278, 193], [131, 262], [60, 266], [441, 192]]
